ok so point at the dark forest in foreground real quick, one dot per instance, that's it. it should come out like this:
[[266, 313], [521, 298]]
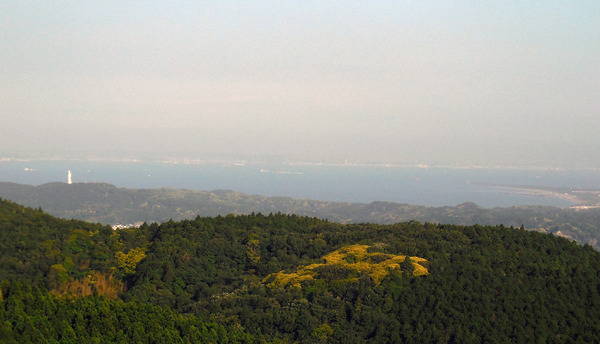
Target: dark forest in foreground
[[286, 278]]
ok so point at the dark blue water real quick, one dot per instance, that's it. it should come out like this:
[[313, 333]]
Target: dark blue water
[[431, 186]]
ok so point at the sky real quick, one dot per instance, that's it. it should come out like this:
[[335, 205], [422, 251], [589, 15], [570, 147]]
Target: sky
[[419, 82]]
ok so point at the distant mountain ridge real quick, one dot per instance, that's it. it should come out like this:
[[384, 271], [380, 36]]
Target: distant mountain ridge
[[108, 204]]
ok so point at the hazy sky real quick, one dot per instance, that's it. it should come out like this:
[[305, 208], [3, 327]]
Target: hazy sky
[[435, 82]]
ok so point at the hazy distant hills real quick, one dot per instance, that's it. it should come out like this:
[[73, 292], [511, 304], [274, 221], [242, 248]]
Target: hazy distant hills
[[105, 203]]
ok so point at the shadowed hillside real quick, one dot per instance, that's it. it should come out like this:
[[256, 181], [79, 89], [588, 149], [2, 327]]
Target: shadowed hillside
[[105, 203]]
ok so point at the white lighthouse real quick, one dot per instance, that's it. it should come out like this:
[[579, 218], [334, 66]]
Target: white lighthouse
[[69, 177]]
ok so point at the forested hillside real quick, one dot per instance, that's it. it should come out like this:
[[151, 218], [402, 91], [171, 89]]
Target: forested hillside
[[108, 204], [63, 280], [288, 278]]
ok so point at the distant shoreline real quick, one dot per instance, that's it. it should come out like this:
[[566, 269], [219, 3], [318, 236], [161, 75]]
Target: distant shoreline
[[177, 160], [581, 198], [426, 186]]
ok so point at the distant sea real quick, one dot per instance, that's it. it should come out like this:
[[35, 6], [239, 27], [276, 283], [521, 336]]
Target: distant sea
[[343, 183]]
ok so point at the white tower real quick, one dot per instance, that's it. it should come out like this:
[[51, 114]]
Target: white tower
[[69, 177]]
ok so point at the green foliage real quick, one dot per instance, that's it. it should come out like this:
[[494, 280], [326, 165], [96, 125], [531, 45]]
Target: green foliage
[[30, 316], [105, 203], [347, 263], [128, 261], [206, 280], [66, 256], [56, 276], [407, 267], [484, 283]]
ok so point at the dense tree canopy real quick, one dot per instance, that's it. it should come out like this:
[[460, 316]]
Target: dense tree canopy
[[289, 278]]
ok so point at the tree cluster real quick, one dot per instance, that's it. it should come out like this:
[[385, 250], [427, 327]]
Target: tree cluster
[[210, 280]]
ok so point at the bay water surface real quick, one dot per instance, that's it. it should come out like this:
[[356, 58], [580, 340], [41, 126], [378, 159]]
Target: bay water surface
[[343, 183]]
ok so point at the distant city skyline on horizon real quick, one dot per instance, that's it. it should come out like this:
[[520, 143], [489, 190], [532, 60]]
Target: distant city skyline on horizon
[[177, 159]]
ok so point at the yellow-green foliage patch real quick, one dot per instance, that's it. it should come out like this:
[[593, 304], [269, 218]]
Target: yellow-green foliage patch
[[128, 261], [350, 258]]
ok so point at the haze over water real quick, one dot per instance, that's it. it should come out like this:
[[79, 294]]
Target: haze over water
[[398, 84], [461, 83], [343, 183]]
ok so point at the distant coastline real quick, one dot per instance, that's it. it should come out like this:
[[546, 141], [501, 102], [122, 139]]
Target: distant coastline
[[581, 198], [343, 182], [241, 161]]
